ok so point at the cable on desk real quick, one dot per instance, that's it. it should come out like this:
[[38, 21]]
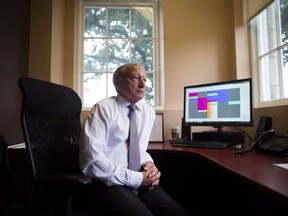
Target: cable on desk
[[244, 133], [242, 152]]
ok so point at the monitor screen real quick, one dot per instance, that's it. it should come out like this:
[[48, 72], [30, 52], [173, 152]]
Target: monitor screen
[[219, 104]]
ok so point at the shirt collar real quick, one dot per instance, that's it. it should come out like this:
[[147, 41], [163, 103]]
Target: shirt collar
[[123, 103]]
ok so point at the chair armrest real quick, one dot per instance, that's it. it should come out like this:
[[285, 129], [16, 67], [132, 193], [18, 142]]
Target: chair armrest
[[71, 178]]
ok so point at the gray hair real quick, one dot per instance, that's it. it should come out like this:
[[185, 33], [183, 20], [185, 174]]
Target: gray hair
[[122, 71]]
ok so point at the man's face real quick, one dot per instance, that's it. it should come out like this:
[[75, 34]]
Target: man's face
[[133, 86]]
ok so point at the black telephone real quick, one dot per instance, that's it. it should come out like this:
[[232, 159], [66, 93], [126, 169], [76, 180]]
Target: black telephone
[[270, 142]]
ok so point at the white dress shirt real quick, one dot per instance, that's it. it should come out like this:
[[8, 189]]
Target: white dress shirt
[[103, 142]]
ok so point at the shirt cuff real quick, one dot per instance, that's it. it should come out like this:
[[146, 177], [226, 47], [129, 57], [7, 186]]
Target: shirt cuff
[[136, 179]]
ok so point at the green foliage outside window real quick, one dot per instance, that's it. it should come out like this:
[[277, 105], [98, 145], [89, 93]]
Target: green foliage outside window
[[114, 36]]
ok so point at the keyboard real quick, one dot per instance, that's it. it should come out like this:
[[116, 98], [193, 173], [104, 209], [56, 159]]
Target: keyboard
[[200, 144]]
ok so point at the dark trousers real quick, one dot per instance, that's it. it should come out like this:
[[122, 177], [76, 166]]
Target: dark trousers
[[120, 200]]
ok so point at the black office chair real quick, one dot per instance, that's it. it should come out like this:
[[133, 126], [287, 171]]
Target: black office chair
[[50, 120], [5, 172]]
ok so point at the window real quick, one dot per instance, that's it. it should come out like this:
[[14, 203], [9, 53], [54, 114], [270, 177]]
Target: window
[[269, 42], [114, 33]]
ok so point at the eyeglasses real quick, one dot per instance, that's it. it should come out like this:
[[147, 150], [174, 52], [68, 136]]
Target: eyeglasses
[[138, 79]]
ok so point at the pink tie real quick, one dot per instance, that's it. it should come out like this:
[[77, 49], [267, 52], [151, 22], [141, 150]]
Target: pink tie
[[134, 154]]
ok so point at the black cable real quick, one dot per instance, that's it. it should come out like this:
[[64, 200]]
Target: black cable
[[244, 151], [244, 133]]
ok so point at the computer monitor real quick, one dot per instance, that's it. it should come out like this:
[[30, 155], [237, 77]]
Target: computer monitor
[[219, 104]]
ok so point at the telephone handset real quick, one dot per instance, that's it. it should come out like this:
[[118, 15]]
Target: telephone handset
[[270, 142]]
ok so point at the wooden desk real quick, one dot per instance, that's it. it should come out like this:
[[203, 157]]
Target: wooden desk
[[253, 171], [205, 181]]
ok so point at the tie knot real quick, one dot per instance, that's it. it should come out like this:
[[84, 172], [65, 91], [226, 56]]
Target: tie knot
[[131, 107]]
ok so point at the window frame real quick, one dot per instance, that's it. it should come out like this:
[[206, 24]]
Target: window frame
[[159, 45], [255, 62]]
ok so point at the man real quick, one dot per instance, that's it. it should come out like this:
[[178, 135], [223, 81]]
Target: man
[[104, 151]]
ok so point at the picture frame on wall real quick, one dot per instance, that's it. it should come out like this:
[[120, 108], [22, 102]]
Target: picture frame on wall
[[157, 133]]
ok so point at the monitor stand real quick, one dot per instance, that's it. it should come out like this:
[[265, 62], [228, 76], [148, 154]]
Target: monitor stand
[[219, 129]]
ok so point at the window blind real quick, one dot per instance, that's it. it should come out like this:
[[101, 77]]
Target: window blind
[[254, 7]]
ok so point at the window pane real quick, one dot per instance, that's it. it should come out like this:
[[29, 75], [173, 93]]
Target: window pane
[[95, 22], [267, 30], [111, 88], [94, 86], [119, 53], [118, 22], [142, 52], [284, 20], [285, 72], [149, 94], [270, 77], [142, 22], [94, 55]]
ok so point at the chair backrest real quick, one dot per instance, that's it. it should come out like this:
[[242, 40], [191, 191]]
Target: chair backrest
[[50, 120]]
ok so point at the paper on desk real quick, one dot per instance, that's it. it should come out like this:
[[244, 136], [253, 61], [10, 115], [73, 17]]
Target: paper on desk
[[281, 165]]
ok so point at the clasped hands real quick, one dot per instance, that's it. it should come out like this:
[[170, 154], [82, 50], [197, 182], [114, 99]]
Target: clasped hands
[[151, 176]]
